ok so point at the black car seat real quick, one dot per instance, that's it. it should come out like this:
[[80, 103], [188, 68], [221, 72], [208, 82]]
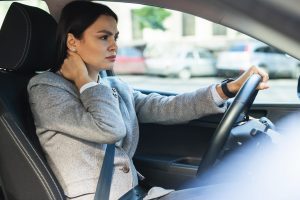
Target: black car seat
[[27, 45]]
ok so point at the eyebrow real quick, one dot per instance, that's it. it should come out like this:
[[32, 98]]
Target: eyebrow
[[107, 32]]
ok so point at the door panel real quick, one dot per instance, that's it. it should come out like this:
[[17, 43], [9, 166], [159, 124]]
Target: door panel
[[169, 155]]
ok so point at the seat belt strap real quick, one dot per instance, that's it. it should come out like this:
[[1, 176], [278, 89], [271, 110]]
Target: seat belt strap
[[105, 177]]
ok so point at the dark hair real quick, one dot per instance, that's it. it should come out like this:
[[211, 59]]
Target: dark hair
[[75, 18]]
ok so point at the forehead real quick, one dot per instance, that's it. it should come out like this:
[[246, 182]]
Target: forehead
[[104, 22]]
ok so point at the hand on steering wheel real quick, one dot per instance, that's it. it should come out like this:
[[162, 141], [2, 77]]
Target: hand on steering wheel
[[242, 102]]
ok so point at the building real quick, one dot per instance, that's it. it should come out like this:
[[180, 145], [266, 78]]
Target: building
[[190, 29]]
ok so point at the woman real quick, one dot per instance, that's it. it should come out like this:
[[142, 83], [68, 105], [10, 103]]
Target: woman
[[77, 113]]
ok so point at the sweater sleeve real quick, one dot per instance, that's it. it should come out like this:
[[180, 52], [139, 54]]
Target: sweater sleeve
[[155, 108], [95, 116]]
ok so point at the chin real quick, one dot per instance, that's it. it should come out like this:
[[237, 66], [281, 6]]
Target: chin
[[110, 67], [106, 67]]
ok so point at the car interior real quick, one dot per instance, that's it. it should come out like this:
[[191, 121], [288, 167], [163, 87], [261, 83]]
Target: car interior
[[27, 47]]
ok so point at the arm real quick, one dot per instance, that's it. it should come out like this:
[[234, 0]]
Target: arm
[[188, 106], [155, 108], [236, 85], [94, 117]]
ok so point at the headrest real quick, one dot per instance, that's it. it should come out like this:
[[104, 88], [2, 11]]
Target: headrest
[[27, 39]]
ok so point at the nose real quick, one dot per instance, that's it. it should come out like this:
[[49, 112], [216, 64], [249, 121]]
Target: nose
[[113, 46]]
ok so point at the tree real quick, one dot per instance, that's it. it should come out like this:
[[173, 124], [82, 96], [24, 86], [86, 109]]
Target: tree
[[151, 17]]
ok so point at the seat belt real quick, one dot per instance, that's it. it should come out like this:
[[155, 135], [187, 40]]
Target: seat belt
[[105, 177], [104, 181]]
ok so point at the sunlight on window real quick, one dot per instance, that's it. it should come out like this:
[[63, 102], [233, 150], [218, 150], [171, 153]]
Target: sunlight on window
[[166, 50]]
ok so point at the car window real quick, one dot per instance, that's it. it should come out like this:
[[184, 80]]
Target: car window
[[274, 50], [189, 55], [261, 49], [238, 47], [204, 54], [129, 51], [150, 46], [268, 49], [171, 34]]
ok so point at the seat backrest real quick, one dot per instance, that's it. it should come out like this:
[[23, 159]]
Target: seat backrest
[[27, 39]]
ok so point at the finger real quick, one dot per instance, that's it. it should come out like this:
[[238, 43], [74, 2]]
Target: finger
[[261, 72], [263, 85], [265, 78], [264, 75], [74, 55]]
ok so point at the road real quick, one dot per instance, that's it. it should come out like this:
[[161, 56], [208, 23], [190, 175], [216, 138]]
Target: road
[[280, 91]]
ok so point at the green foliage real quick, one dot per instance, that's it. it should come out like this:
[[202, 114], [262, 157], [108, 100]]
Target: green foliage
[[151, 17]]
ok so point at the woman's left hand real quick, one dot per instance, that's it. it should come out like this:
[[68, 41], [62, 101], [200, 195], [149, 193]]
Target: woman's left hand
[[236, 85]]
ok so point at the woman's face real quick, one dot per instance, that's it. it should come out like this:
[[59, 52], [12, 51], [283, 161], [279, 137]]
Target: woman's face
[[97, 46]]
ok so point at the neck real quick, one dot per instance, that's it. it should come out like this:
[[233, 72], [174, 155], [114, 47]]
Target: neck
[[93, 74]]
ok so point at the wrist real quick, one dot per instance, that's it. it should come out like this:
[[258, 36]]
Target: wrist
[[220, 92], [82, 80], [229, 88], [233, 87]]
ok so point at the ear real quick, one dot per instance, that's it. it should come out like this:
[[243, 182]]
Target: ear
[[72, 42]]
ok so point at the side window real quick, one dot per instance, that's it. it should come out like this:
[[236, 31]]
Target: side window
[[261, 49], [166, 43], [129, 51], [189, 55], [219, 30], [238, 47], [188, 25], [268, 50], [203, 54], [274, 50]]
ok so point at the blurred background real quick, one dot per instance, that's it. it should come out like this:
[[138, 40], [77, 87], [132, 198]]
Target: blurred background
[[171, 51]]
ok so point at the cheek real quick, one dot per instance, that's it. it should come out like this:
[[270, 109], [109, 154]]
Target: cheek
[[92, 53], [96, 59], [98, 50]]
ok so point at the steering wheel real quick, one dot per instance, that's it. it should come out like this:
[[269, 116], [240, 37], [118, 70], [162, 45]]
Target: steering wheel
[[241, 103]]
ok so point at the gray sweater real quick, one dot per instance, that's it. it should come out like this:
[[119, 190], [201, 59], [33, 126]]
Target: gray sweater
[[74, 128]]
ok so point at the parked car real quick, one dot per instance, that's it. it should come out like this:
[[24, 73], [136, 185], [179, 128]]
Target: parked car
[[167, 155], [183, 61], [241, 55], [129, 60]]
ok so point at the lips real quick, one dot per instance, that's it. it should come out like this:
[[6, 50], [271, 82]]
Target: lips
[[111, 58]]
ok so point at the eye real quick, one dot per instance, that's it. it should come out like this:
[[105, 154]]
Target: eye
[[104, 37], [116, 37]]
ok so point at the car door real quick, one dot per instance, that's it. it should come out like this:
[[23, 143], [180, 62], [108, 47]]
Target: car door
[[169, 155]]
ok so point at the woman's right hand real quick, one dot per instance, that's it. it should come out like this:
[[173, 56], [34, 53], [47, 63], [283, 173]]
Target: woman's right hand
[[75, 70]]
